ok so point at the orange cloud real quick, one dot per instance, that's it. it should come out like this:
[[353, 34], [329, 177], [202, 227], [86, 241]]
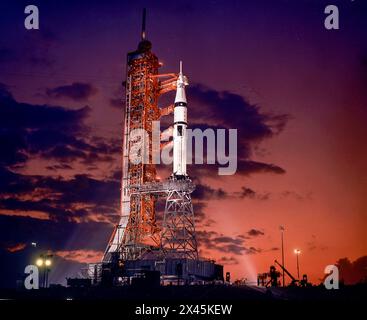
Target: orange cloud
[[16, 247], [33, 214], [82, 256]]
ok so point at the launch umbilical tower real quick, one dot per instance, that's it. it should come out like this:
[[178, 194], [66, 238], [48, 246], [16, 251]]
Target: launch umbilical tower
[[137, 234]]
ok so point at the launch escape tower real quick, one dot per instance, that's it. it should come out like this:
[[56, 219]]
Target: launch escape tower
[[137, 241]]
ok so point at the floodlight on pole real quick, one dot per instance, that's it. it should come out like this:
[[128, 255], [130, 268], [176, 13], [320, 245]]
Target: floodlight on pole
[[39, 262], [297, 252]]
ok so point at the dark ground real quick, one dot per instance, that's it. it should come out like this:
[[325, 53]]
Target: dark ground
[[291, 302], [192, 293]]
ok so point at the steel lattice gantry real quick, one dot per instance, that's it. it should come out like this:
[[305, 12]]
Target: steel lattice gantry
[[178, 239], [137, 230], [177, 236]]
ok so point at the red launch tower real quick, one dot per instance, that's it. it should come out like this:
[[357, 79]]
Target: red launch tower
[[138, 244], [137, 231]]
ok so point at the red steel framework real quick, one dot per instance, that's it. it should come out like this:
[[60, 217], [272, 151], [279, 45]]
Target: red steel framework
[[137, 231]]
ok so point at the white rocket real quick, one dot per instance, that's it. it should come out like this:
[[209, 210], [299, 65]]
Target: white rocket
[[179, 128]]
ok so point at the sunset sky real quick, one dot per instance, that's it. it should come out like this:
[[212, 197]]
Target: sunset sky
[[296, 92]]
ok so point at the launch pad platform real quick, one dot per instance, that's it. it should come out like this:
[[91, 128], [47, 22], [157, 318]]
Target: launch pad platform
[[168, 271]]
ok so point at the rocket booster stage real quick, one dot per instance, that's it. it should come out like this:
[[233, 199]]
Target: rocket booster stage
[[179, 127]]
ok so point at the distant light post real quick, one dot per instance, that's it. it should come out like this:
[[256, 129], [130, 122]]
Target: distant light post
[[39, 262], [44, 262], [297, 252], [281, 228]]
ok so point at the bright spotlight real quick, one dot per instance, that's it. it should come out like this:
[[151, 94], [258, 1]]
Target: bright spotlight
[[48, 262], [39, 262]]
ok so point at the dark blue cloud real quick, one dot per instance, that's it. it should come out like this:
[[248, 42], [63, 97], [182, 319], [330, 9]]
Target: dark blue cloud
[[255, 233], [51, 132], [219, 242], [60, 197], [230, 110], [17, 115], [223, 109], [26, 128], [76, 91], [203, 191], [54, 235]]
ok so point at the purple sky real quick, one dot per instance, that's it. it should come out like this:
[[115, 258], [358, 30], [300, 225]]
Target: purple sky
[[295, 91]]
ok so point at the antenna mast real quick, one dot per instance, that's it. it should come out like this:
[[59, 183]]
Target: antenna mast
[[143, 24]]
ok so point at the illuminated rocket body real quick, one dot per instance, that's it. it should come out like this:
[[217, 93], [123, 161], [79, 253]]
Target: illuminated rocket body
[[179, 128]]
